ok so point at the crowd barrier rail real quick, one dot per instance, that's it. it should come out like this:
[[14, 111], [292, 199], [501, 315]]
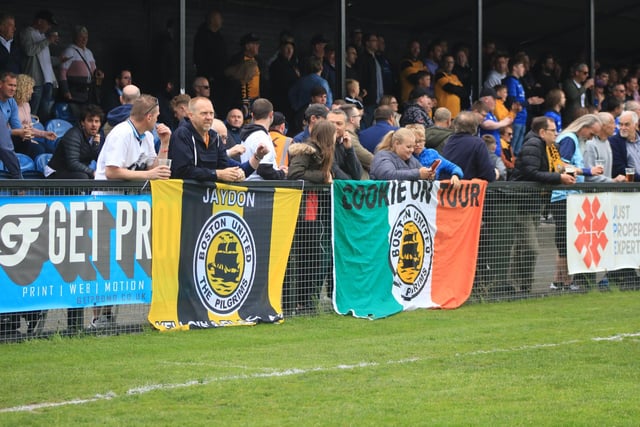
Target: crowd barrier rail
[[516, 259]]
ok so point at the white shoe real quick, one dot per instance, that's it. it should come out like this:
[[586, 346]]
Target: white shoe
[[555, 287], [101, 321]]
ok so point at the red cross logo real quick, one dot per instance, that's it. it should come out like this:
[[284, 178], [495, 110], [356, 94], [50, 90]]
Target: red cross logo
[[591, 232]]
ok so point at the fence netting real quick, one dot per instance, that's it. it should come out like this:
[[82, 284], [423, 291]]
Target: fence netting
[[518, 257]]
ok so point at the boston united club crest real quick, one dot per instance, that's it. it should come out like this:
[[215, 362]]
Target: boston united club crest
[[410, 252], [224, 263]]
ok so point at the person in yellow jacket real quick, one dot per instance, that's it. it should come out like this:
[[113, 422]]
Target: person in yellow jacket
[[449, 88], [409, 66]]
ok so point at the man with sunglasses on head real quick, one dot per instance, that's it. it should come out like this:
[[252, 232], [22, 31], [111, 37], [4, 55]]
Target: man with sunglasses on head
[[128, 152]]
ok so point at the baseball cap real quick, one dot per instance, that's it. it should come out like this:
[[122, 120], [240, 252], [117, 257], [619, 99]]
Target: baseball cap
[[418, 92], [249, 38], [487, 91], [47, 16], [318, 38], [317, 110]]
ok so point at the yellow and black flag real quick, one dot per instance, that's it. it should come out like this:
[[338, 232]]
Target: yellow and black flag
[[219, 253]]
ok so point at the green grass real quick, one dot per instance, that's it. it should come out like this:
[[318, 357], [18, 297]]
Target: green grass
[[531, 362]]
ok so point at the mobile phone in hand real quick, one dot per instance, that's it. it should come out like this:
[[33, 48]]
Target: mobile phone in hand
[[435, 164]]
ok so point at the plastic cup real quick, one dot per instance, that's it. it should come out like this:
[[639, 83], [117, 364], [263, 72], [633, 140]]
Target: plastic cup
[[600, 162], [164, 162], [630, 174], [570, 170]]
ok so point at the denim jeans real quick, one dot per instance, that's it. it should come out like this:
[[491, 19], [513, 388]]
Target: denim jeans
[[42, 102], [518, 138]]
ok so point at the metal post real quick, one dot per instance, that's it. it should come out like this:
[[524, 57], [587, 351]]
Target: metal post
[[341, 50], [183, 50], [479, 24], [592, 35]]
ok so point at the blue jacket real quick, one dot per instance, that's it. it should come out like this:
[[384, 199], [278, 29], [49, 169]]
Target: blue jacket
[[300, 92], [515, 92], [192, 159], [428, 155], [372, 136], [619, 154], [471, 154], [119, 114]]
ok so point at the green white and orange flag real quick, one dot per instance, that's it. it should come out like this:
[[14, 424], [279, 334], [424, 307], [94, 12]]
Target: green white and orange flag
[[219, 253], [402, 245]]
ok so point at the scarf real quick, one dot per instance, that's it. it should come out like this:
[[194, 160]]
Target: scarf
[[555, 161]]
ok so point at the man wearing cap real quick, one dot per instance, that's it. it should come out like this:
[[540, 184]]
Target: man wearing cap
[[418, 110], [246, 71], [35, 41], [281, 142], [312, 114], [491, 125]]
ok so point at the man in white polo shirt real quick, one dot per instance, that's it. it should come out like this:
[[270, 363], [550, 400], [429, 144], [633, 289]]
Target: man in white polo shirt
[[128, 152]]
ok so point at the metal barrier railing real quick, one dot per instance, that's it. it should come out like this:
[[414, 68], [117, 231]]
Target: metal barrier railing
[[517, 254]]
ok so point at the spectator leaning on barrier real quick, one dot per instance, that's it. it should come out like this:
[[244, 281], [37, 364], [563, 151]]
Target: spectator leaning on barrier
[[625, 146], [394, 158], [569, 143], [426, 157], [311, 161], [197, 151], [539, 161], [128, 153], [597, 150], [256, 134]]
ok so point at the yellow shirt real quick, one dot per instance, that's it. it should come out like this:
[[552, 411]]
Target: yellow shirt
[[447, 99]]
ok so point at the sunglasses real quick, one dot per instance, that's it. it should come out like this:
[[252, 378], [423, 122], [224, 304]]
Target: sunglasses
[[151, 109]]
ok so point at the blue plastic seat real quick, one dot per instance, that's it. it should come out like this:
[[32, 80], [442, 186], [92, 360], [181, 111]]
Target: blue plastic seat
[[28, 167], [59, 127], [62, 111]]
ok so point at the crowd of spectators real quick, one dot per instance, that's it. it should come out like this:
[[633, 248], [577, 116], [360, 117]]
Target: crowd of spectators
[[394, 121]]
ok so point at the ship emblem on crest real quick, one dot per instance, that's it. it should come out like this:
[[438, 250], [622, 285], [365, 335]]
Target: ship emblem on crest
[[224, 263], [410, 252]]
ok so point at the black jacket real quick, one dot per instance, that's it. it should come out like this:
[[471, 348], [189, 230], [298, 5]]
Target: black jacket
[[532, 164], [74, 153], [192, 159]]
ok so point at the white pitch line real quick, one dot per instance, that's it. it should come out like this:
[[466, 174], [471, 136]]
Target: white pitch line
[[294, 371]]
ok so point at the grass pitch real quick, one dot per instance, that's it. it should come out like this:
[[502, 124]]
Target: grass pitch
[[571, 360]]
